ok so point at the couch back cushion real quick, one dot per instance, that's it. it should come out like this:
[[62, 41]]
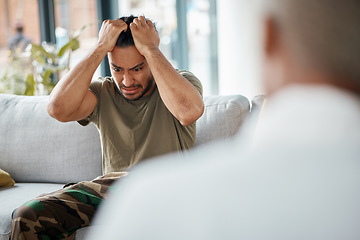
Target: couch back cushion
[[222, 118], [37, 148]]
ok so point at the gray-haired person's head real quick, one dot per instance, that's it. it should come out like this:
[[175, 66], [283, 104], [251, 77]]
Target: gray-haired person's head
[[322, 34]]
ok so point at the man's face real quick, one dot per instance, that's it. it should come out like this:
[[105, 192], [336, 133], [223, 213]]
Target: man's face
[[131, 72]]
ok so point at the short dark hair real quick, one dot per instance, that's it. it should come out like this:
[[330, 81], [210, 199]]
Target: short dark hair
[[126, 39]]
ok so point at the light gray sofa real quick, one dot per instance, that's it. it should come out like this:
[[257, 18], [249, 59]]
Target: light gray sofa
[[42, 154]]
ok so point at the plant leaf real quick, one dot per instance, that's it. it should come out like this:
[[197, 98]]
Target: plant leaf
[[77, 33], [72, 45], [39, 50], [30, 85], [46, 76], [63, 49], [75, 44]]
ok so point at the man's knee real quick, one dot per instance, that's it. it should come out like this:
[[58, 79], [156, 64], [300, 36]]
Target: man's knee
[[25, 220], [29, 210]]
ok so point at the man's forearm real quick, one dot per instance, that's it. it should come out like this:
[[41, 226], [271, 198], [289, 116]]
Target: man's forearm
[[70, 98], [178, 94], [69, 93]]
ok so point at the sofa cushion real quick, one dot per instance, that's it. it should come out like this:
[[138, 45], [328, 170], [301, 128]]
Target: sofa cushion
[[222, 118], [37, 148], [5, 179], [256, 102], [14, 197]]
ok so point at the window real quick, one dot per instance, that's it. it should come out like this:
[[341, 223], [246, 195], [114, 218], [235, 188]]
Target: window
[[71, 17], [202, 38], [15, 15], [187, 30], [20, 26], [163, 13]]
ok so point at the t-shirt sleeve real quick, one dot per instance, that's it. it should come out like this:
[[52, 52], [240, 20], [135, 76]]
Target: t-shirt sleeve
[[192, 79], [95, 88]]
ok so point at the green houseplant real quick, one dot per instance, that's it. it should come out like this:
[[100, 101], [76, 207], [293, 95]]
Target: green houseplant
[[37, 70]]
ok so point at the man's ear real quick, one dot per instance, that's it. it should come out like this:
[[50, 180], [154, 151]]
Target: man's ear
[[274, 69], [271, 37]]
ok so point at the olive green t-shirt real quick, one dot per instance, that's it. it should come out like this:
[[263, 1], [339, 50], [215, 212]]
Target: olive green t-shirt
[[132, 131]]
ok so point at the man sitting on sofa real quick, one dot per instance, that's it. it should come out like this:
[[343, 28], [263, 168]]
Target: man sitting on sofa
[[300, 176], [146, 109]]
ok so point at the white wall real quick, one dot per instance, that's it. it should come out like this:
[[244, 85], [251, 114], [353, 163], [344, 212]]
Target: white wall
[[239, 42]]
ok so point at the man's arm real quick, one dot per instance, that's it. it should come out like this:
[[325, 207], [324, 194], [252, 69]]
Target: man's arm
[[71, 99], [178, 94]]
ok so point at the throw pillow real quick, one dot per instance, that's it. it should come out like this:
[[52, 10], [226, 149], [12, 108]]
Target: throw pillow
[[5, 179]]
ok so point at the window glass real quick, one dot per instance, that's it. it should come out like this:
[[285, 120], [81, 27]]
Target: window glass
[[202, 51], [70, 18], [19, 22], [200, 32], [163, 13], [16, 15]]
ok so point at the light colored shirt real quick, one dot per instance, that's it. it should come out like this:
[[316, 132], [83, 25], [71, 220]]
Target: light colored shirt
[[297, 177]]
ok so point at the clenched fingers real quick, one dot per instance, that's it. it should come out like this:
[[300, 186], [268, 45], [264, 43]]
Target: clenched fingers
[[145, 35], [110, 31]]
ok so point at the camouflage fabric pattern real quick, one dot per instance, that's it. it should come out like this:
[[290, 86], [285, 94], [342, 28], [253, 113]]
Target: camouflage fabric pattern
[[59, 214]]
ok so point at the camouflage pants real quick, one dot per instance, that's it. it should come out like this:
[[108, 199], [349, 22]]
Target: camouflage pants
[[59, 214]]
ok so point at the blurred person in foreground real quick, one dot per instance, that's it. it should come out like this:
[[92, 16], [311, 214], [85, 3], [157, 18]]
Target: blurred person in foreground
[[297, 176], [145, 109]]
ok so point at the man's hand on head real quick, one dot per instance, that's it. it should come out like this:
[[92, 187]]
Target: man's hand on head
[[146, 37], [109, 33]]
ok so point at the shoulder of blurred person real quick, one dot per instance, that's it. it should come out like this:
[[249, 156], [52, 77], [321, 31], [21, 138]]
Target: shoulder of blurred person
[[308, 116], [221, 192], [253, 187]]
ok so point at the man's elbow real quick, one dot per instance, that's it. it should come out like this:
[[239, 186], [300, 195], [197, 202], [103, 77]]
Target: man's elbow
[[56, 111], [188, 119]]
